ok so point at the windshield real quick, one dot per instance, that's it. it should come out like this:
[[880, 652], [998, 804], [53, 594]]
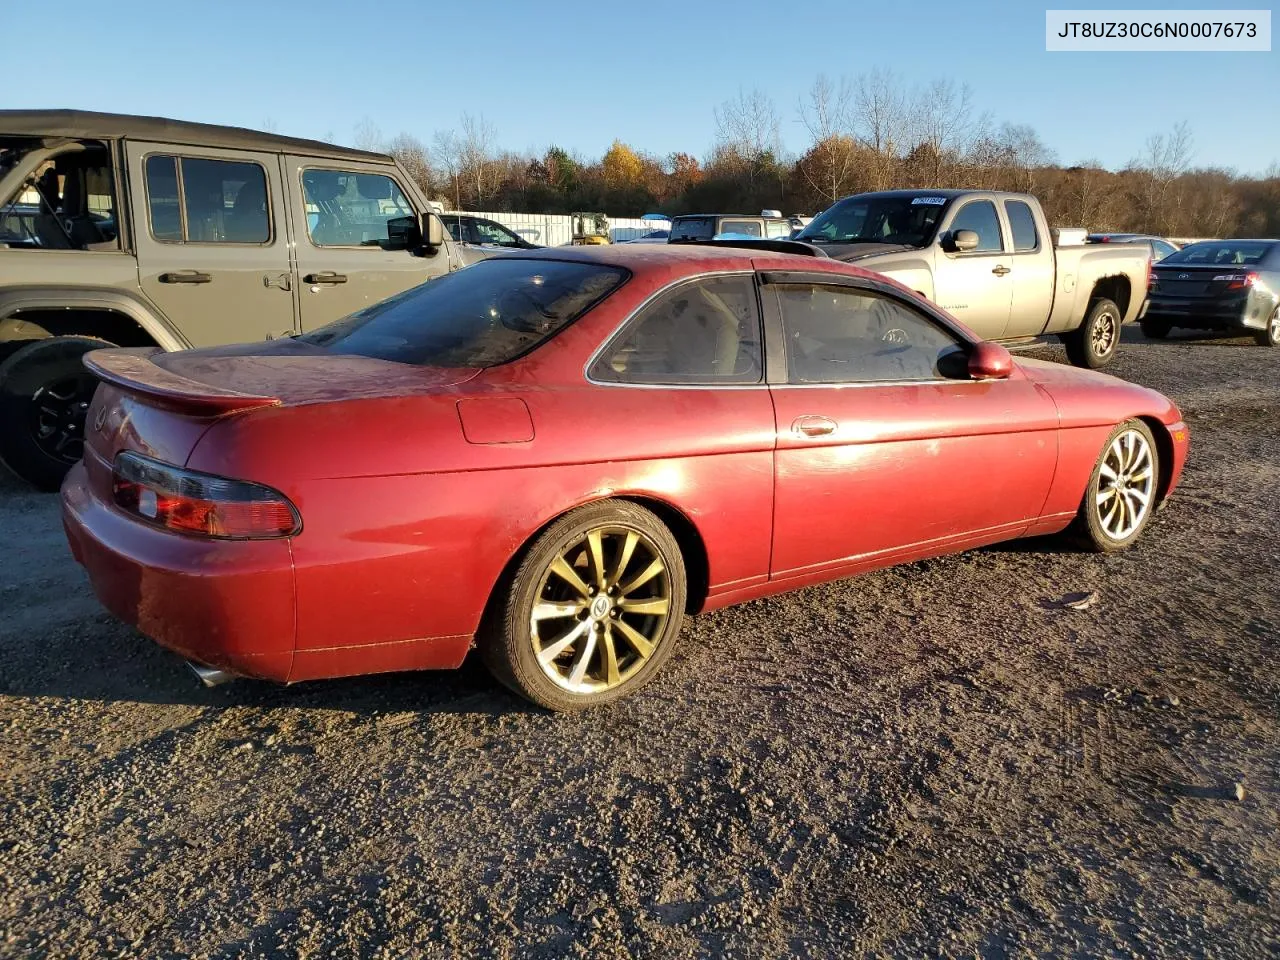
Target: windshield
[[489, 313], [693, 228], [1219, 253], [878, 219]]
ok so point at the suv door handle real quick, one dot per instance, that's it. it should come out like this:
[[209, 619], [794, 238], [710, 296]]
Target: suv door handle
[[1000, 271], [812, 426], [280, 280], [328, 276], [185, 276]]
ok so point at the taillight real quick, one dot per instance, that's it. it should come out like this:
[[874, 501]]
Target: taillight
[[1151, 274], [186, 501], [1238, 281]]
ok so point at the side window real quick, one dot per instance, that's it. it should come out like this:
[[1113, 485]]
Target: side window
[[777, 229], [1161, 249], [980, 217], [845, 335], [750, 228], [489, 232], [350, 209], [1022, 223], [452, 224], [703, 332], [163, 205], [196, 200]]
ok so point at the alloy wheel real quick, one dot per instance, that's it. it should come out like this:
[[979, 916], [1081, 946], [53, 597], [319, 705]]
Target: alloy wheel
[[57, 417], [600, 610], [1126, 485], [1103, 335]]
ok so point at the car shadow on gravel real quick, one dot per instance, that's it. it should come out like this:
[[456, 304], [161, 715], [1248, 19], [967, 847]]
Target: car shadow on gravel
[[1180, 337]]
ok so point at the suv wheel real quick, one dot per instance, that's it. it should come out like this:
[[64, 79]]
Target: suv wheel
[[1094, 344], [44, 394]]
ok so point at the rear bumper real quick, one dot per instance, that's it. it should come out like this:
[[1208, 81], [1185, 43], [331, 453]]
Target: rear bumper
[[224, 603], [1206, 315]]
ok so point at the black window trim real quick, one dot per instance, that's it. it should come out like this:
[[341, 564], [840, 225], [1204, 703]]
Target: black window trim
[[1012, 251], [303, 167], [632, 318], [182, 200], [1005, 242], [776, 359]]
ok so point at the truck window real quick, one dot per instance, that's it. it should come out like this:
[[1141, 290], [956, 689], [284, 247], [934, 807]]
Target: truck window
[[750, 228], [777, 229], [1022, 223], [980, 217], [346, 208], [196, 200]]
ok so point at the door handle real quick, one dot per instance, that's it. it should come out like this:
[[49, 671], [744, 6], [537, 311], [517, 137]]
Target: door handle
[[185, 276], [812, 426], [280, 280], [328, 276], [1000, 271]]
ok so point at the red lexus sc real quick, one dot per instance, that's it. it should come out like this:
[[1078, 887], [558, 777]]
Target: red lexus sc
[[555, 455]]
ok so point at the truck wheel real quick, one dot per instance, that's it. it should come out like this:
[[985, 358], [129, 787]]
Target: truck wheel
[[44, 393], [1156, 329], [1270, 337], [1094, 344]]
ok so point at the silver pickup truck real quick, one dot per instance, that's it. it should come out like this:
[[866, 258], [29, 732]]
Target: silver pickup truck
[[989, 259]]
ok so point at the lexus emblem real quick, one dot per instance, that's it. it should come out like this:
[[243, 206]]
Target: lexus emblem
[[1184, 276], [100, 419]]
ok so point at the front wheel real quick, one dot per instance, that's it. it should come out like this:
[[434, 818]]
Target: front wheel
[[1094, 343], [44, 393], [1270, 336], [1121, 494], [592, 610]]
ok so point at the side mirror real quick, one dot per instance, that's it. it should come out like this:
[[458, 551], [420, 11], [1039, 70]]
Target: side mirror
[[990, 361], [422, 231], [431, 230], [963, 240]]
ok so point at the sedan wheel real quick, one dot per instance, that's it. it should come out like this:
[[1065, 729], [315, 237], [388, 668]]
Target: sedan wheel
[[1270, 337], [593, 609], [1122, 489]]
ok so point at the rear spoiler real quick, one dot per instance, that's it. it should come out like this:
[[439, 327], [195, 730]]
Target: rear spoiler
[[134, 372], [773, 246]]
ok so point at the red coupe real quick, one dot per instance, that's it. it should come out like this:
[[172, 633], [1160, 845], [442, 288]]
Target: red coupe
[[555, 455]]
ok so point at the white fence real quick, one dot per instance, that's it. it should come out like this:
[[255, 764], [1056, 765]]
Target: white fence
[[553, 230]]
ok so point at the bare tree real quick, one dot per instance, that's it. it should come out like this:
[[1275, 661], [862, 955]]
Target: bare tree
[[447, 155], [367, 135], [475, 154], [1167, 158], [748, 126], [942, 124], [832, 161], [880, 122], [412, 155]]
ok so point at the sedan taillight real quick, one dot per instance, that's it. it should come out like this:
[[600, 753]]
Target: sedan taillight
[[1239, 281], [187, 501]]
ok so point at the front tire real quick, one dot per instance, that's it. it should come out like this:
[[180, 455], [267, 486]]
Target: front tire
[[591, 612], [45, 391], [1094, 343], [1270, 335], [1121, 495]]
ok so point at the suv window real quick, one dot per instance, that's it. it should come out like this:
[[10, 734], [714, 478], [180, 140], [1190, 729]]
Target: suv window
[[491, 312], [704, 332], [749, 227], [350, 209], [777, 229], [222, 201], [845, 335], [1022, 223], [693, 228], [980, 217], [487, 231]]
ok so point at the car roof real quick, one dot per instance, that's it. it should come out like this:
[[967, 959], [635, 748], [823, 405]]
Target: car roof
[[694, 258], [86, 124], [739, 216]]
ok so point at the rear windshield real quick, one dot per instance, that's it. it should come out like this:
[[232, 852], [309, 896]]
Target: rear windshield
[[693, 228], [489, 313], [1219, 253]]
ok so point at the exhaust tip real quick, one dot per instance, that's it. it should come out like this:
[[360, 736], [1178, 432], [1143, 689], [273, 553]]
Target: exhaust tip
[[210, 676]]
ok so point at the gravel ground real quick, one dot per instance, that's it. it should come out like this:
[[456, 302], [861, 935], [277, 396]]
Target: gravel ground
[[934, 760]]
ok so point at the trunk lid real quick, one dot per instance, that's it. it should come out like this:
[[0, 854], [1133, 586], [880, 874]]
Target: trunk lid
[[1197, 281]]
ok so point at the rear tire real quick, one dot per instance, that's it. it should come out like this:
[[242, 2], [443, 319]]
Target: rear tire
[[1270, 335], [591, 612], [1121, 495], [45, 391], [1156, 329], [1094, 343]]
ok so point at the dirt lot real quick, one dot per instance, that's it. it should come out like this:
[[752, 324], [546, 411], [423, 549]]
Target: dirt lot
[[933, 760]]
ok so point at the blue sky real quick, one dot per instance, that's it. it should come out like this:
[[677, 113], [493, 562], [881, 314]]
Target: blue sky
[[317, 68]]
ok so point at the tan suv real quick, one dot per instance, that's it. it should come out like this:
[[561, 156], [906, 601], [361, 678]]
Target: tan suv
[[144, 231]]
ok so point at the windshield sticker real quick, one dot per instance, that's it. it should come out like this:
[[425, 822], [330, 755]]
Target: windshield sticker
[[932, 201]]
